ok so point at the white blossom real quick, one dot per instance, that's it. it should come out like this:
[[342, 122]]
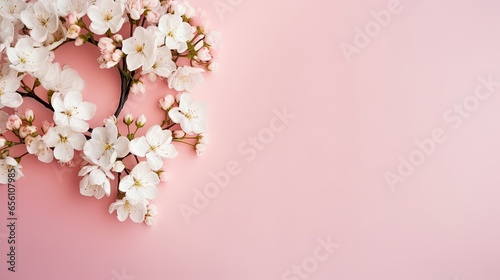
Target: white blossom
[[154, 146], [140, 184], [65, 141], [125, 208], [70, 110], [190, 114]]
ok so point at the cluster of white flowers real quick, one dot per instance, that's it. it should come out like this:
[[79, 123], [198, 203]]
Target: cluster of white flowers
[[169, 41]]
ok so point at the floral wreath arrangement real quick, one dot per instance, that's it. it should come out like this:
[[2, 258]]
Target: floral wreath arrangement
[[167, 41]]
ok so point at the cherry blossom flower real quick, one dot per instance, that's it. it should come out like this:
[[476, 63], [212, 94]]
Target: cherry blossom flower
[[6, 166], [185, 78], [135, 8], [105, 146], [140, 184], [190, 114], [106, 15], [95, 181], [60, 79], [25, 57], [70, 110], [6, 32], [76, 8], [13, 122], [65, 141], [8, 92], [154, 146], [37, 146], [177, 32], [41, 19], [125, 208], [140, 49], [11, 9], [163, 65]]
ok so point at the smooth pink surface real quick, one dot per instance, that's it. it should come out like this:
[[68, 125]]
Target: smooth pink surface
[[322, 176]]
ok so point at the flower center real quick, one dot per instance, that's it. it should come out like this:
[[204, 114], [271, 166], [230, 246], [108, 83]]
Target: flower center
[[107, 147], [139, 48], [190, 115], [185, 79], [108, 16], [63, 139], [68, 113], [42, 21], [137, 183], [153, 148]]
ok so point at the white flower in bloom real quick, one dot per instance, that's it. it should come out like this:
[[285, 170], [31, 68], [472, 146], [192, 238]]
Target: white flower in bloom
[[95, 181], [190, 114], [8, 95], [177, 32], [154, 146], [125, 208], [105, 145], [185, 78], [140, 49], [163, 65], [6, 33], [140, 184], [41, 18], [24, 57], [75, 7], [106, 14], [37, 146], [9, 165], [11, 9], [70, 110], [63, 80], [65, 142]]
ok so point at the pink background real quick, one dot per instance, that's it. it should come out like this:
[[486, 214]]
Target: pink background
[[322, 176]]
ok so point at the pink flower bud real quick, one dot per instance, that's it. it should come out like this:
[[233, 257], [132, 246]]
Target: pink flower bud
[[80, 41], [179, 134], [46, 126], [149, 221], [204, 54], [74, 31], [152, 17], [117, 55], [137, 87], [27, 130], [118, 166], [106, 45], [72, 18], [13, 122], [213, 67], [29, 115], [117, 38], [3, 141], [200, 148], [213, 38], [167, 102]]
